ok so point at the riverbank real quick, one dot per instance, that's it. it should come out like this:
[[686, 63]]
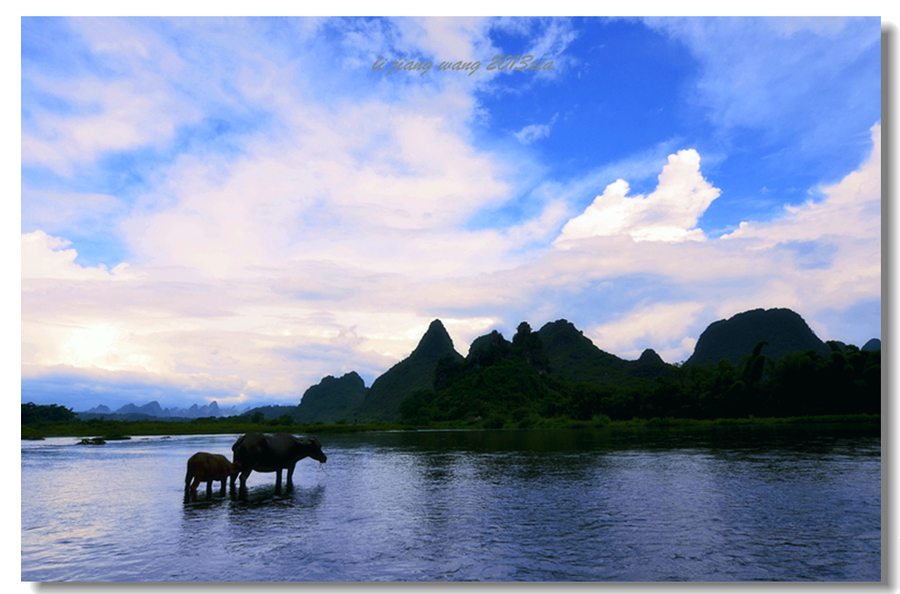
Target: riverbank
[[122, 429]]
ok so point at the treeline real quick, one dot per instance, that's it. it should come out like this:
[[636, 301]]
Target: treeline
[[40, 421], [512, 385], [45, 413]]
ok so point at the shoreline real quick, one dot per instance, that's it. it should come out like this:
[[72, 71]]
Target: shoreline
[[113, 430]]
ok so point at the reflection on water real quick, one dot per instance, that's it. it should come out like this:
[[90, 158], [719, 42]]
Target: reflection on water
[[562, 505]]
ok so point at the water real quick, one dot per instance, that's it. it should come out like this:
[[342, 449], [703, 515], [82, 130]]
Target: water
[[561, 505]]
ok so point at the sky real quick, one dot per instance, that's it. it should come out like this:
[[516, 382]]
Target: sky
[[231, 209]]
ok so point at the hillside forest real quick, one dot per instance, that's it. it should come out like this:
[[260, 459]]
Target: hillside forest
[[514, 384]]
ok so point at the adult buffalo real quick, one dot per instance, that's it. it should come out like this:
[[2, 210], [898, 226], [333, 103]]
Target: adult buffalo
[[273, 453], [204, 467]]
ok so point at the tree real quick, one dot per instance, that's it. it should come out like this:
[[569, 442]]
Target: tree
[[40, 413]]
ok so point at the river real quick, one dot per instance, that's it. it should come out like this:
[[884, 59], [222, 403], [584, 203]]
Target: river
[[735, 504]]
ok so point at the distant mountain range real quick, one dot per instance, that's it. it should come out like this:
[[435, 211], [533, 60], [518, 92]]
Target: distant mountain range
[[154, 410], [558, 349]]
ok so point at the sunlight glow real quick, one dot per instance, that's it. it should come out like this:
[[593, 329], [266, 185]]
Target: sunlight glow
[[104, 347]]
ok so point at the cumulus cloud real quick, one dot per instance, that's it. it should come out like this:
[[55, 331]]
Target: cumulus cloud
[[668, 214], [43, 257]]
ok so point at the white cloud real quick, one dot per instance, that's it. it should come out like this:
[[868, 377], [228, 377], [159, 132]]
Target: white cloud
[[450, 39], [850, 208], [127, 118], [403, 181], [668, 214], [44, 258], [137, 106], [533, 132], [549, 42], [664, 327]]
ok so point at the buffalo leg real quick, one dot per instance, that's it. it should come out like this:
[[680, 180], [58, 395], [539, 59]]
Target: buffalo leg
[[222, 490], [194, 486], [290, 478], [244, 475], [209, 489], [278, 482]]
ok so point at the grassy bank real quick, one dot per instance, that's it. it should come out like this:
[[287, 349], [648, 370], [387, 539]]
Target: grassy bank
[[122, 429]]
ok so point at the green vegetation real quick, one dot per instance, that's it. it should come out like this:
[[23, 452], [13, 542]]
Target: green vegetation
[[502, 385], [120, 429], [573, 356], [331, 399], [33, 413], [111, 430]]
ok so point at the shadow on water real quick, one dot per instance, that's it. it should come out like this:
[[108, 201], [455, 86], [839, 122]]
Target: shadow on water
[[264, 496], [662, 438], [203, 504]]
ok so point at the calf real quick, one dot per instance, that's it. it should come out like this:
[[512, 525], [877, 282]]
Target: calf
[[208, 467]]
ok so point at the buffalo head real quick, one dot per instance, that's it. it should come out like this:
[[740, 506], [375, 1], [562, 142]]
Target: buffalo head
[[314, 449]]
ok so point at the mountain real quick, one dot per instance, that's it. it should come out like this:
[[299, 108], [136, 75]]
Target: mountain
[[731, 339], [554, 372], [573, 356], [558, 373], [100, 410], [872, 345], [488, 343], [489, 349], [332, 399], [151, 409], [497, 379], [411, 375], [154, 410], [271, 411], [648, 365]]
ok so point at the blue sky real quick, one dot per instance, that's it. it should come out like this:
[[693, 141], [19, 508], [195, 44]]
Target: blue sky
[[231, 209]]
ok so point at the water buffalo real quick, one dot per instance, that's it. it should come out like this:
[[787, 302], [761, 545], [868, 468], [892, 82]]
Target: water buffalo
[[272, 453], [208, 467]]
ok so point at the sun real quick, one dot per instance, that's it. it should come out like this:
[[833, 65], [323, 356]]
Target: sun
[[90, 346], [103, 346]]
